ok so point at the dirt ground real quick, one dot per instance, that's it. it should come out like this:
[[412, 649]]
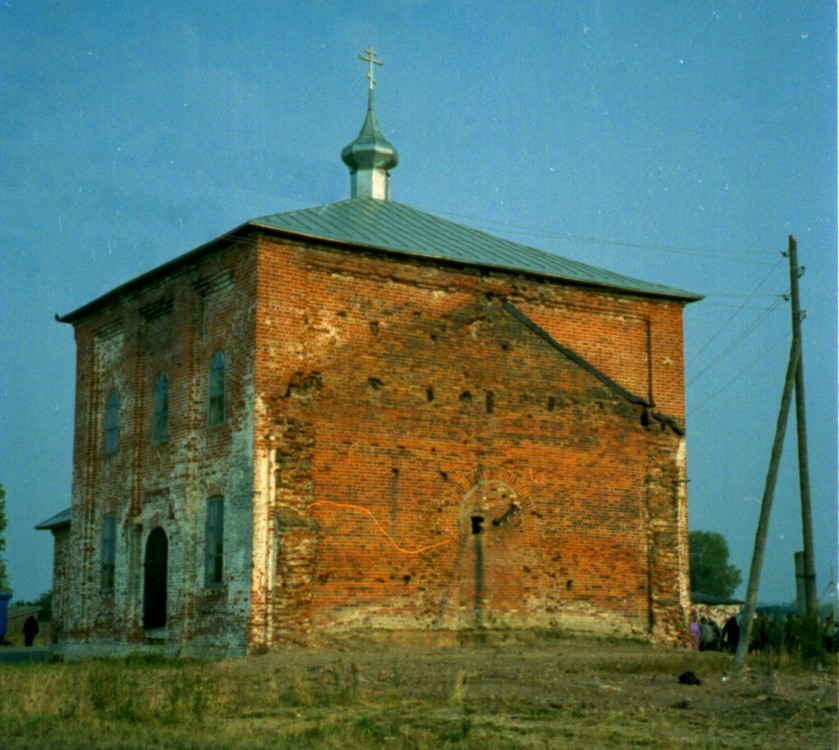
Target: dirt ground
[[495, 690], [516, 690]]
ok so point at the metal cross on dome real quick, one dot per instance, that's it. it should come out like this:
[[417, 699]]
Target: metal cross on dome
[[370, 58]]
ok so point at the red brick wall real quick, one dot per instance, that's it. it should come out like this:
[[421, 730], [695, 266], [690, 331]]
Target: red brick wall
[[373, 377], [376, 408]]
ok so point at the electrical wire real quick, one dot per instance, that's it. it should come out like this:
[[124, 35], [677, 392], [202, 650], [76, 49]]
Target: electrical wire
[[741, 296], [705, 303], [754, 324], [568, 237], [735, 313], [742, 372]]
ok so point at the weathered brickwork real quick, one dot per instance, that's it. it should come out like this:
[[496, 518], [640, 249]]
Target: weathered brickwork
[[61, 574], [404, 445], [431, 462], [173, 325]]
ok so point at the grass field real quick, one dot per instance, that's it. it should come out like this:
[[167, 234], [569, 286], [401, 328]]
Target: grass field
[[509, 690]]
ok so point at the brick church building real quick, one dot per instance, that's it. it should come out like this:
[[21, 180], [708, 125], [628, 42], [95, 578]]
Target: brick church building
[[363, 416]]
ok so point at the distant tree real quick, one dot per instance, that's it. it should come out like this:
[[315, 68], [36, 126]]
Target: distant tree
[[4, 578], [710, 571], [44, 601]]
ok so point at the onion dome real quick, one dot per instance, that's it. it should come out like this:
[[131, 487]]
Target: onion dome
[[370, 156]]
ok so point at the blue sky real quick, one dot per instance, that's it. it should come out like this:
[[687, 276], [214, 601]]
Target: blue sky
[[677, 142]]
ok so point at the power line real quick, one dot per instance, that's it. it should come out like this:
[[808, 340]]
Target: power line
[[735, 313], [740, 296], [740, 374], [568, 237], [738, 307], [736, 341]]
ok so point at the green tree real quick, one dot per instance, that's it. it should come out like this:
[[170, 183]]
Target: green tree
[[44, 601], [710, 571], [4, 578]]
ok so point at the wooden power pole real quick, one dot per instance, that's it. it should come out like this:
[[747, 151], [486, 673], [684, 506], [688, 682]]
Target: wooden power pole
[[766, 508], [794, 381], [809, 571]]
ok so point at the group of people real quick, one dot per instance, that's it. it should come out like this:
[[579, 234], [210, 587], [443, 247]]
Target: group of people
[[709, 636], [770, 633]]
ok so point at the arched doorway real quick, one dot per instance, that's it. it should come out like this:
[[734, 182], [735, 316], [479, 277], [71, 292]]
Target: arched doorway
[[154, 580]]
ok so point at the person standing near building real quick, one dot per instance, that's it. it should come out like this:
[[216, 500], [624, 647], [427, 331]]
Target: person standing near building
[[30, 630]]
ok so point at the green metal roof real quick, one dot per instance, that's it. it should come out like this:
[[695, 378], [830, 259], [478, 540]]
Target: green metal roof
[[56, 521], [396, 227]]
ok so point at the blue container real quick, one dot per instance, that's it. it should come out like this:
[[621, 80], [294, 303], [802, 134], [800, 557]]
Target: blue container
[[4, 605]]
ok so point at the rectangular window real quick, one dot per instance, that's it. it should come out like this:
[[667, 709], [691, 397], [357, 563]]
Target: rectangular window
[[112, 424], [218, 376], [108, 552], [214, 560], [160, 423]]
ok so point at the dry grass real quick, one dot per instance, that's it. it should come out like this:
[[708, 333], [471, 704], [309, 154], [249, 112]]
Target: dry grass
[[516, 692]]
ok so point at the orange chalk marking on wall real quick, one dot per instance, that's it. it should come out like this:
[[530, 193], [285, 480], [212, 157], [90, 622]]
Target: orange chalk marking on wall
[[381, 528]]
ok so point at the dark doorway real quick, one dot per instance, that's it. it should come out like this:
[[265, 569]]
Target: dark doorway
[[154, 584]]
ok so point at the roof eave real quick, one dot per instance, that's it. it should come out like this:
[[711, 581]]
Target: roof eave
[[58, 521], [243, 229], [138, 281], [682, 296]]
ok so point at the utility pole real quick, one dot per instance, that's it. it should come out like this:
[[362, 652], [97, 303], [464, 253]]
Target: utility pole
[[794, 381], [766, 508], [809, 571]]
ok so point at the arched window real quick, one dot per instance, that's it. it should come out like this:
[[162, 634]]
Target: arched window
[[215, 408], [160, 425], [108, 552], [112, 423], [214, 557]]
